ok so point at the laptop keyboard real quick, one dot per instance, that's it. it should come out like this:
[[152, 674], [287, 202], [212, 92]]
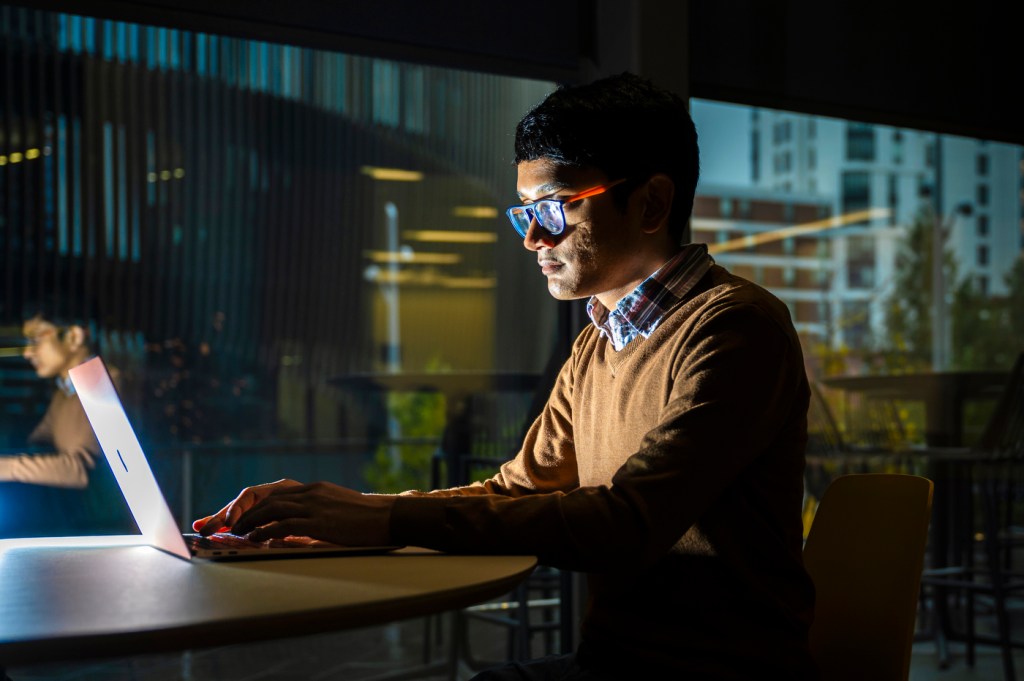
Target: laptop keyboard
[[224, 543]]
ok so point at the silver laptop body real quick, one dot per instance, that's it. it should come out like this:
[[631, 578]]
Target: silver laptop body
[[142, 492]]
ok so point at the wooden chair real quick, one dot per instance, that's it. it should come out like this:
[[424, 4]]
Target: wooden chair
[[865, 553]]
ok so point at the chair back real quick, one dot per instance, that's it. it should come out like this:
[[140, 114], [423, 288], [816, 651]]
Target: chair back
[[865, 553]]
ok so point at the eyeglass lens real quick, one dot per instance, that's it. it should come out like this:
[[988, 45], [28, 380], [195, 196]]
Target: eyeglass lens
[[36, 338], [547, 213]]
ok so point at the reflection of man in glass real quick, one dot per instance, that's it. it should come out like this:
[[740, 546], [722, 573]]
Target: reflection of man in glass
[[52, 350]]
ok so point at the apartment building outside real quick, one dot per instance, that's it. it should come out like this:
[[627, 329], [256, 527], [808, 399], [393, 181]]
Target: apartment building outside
[[781, 242], [974, 185]]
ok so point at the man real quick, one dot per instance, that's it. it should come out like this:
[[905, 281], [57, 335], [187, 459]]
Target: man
[[53, 350], [60, 491], [667, 462]]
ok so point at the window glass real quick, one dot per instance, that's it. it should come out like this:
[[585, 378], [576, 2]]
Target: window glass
[[265, 239], [860, 261], [897, 147], [856, 191], [982, 256], [982, 165], [862, 286], [982, 223], [860, 142]]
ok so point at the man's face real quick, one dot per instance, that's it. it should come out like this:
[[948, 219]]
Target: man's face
[[48, 351], [596, 254]]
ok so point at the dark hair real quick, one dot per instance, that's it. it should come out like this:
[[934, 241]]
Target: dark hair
[[63, 314], [623, 125]]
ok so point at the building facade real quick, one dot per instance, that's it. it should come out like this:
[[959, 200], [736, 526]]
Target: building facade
[[900, 176]]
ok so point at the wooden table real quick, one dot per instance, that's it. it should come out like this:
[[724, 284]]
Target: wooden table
[[87, 597]]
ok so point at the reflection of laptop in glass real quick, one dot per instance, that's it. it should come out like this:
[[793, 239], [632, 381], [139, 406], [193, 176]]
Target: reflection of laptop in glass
[[146, 501]]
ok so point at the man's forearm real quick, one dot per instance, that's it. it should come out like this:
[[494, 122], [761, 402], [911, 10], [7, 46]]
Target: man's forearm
[[53, 470]]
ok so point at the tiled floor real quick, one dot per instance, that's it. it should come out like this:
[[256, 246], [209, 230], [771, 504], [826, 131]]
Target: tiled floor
[[366, 654], [988, 659], [988, 665]]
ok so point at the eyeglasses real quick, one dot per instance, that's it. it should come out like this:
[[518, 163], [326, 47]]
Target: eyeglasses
[[35, 339], [550, 213]]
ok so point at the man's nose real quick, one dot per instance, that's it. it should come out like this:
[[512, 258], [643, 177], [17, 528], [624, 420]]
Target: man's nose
[[537, 237]]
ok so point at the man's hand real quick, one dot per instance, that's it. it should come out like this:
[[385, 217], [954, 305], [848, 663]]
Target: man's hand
[[320, 510], [225, 518]]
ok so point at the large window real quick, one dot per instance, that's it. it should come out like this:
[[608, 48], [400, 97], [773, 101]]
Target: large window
[[263, 237], [870, 280]]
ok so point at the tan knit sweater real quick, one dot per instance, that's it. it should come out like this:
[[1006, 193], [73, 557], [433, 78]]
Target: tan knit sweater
[[671, 472], [65, 428]]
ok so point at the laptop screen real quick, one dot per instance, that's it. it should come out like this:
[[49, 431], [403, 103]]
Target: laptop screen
[[126, 458]]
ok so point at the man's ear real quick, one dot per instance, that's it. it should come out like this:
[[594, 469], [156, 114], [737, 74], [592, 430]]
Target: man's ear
[[75, 337], [658, 193]]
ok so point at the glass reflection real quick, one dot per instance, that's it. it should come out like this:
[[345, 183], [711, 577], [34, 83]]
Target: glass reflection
[[254, 225]]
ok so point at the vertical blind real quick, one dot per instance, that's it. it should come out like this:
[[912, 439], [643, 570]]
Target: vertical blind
[[215, 197]]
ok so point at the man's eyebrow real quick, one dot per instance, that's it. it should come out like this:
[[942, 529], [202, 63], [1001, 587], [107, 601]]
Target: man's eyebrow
[[547, 189]]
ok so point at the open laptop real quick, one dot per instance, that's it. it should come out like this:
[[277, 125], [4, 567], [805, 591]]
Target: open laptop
[[147, 502]]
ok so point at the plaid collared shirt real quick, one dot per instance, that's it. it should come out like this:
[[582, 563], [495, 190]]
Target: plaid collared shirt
[[640, 312]]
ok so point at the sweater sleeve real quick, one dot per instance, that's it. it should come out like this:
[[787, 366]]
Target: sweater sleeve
[[737, 380], [65, 428], [61, 469]]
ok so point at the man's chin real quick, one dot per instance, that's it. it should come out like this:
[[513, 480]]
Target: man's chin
[[562, 293]]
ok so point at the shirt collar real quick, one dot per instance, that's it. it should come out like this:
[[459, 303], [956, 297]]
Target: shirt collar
[[640, 312], [66, 386]]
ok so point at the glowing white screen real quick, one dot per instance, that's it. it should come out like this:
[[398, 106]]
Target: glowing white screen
[[126, 458]]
